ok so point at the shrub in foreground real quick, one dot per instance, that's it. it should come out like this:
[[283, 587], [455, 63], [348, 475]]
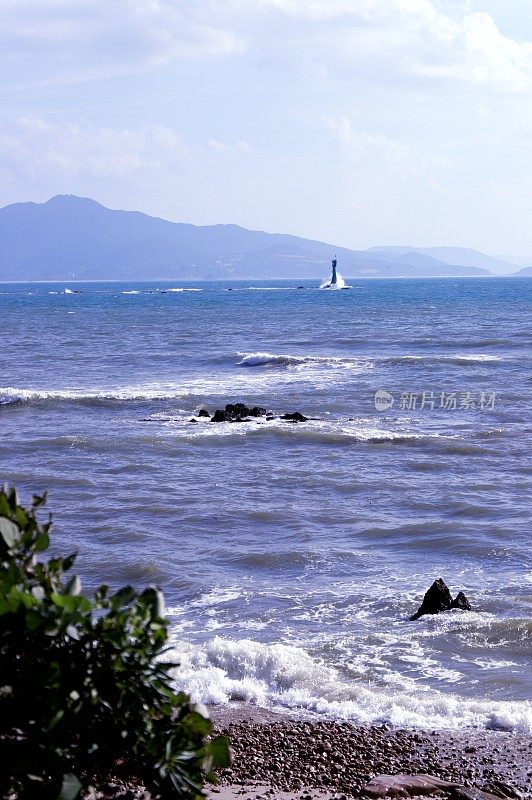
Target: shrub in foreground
[[84, 694]]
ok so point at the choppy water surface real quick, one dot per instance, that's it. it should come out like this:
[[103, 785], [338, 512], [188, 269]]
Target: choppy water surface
[[291, 555]]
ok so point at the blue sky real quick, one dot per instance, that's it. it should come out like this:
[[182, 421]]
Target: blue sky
[[358, 122]]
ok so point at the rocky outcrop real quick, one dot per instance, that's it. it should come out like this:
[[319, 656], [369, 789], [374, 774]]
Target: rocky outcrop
[[461, 601], [403, 786], [438, 598], [406, 786], [295, 416], [237, 412], [472, 793], [505, 790]]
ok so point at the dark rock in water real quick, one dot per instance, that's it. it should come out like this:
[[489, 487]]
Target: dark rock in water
[[295, 416], [461, 601], [237, 412], [438, 598], [406, 786], [203, 413], [300, 287], [220, 416], [257, 411], [193, 420]]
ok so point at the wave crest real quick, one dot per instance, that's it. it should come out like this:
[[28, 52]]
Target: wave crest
[[10, 395], [433, 358], [263, 359], [286, 676]]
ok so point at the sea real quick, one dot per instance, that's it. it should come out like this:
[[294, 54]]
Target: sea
[[292, 555]]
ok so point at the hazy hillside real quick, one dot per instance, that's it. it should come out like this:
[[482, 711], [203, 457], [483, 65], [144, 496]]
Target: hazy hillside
[[71, 237], [517, 261], [463, 256]]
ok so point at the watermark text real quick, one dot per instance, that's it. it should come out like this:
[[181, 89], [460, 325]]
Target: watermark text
[[434, 400]]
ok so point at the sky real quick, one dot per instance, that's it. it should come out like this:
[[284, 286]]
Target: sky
[[356, 122]]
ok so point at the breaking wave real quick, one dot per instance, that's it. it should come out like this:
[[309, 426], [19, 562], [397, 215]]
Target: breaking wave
[[286, 676], [264, 359], [284, 359], [9, 394], [458, 358], [318, 431]]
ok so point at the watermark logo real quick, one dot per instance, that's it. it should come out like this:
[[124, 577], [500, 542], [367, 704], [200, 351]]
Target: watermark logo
[[429, 400], [383, 400]]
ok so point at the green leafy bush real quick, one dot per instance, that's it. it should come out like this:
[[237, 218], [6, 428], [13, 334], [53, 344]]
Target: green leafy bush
[[84, 694]]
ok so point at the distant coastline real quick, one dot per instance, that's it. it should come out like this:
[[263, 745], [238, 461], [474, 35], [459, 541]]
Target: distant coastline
[[73, 238], [312, 281]]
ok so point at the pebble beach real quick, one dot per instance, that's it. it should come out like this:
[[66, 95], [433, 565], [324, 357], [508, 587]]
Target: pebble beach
[[280, 756]]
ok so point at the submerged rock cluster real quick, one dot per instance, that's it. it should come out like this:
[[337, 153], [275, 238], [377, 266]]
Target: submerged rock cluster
[[239, 412]]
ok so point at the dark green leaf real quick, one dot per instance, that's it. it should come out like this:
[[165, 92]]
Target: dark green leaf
[[70, 787], [8, 531], [42, 541], [89, 687], [220, 752]]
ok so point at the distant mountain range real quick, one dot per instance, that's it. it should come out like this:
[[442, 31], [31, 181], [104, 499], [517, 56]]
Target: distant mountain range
[[72, 237]]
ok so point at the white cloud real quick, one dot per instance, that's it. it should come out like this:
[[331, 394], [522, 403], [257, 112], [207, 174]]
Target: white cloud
[[222, 147], [80, 39], [399, 157], [383, 38], [33, 145], [415, 38], [33, 148], [423, 101]]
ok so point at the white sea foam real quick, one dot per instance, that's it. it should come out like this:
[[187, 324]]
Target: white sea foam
[[340, 283], [199, 387], [11, 394], [261, 358], [216, 597], [456, 358], [265, 288], [280, 675], [131, 291], [185, 289], [318, 430], [244, 384], [477, 357]]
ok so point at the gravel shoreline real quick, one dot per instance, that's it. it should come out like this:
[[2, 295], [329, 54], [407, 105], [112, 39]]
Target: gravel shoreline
[[277, 756]]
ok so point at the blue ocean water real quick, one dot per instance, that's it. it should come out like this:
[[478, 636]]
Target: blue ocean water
[[291, 555]]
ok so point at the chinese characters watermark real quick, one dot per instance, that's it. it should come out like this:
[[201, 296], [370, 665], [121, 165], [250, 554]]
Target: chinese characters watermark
[[431, 401]]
